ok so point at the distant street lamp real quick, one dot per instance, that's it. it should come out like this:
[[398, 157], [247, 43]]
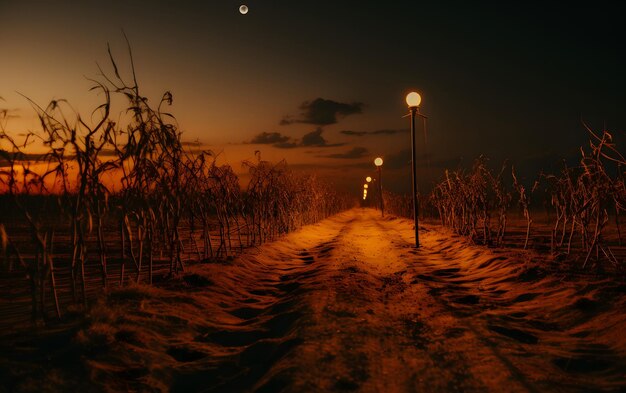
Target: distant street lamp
[[413, 100], [368, 179], [365, 186], [379, 163]]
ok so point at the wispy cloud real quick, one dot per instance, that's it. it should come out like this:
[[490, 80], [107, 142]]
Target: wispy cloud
[[269, 138], [278, 140], [275, 139]]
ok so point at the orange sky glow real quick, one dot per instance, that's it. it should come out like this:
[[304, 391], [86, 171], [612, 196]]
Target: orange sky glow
[[330, 97]]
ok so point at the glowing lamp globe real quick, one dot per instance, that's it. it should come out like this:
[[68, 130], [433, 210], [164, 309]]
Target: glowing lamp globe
[[413, 100], [368, 179], [365, 186], [378, 161]]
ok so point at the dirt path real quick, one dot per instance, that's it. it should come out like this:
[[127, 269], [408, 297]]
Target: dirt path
[[385, 317], [376, 326], [347, 304]]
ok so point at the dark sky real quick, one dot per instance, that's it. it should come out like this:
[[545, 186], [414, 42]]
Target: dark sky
[[504, 80]]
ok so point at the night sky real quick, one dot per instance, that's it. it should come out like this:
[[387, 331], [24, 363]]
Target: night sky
[[322, 83]]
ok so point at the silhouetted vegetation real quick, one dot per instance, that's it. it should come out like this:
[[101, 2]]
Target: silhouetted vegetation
[[128, 194], [582, 198], [586, 200]]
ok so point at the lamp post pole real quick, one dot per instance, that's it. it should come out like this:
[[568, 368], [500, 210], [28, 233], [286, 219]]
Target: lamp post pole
[[379, 163], [414, 177], [413, 100]]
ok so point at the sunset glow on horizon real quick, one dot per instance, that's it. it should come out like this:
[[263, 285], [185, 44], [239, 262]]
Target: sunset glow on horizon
[[238, 82]]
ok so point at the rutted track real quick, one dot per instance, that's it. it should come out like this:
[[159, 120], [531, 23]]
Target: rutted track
[[349, 305]]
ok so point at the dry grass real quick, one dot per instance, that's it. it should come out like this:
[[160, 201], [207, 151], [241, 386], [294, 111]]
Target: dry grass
[[172, 200], [586, 202]]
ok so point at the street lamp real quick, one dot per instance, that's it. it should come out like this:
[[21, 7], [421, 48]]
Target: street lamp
[[368, 179], [414, 100], [365, 186], [379, 163]]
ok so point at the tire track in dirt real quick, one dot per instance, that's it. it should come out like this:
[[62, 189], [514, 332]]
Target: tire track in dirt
[[270, 332], [429, 274], [441, 318], [367, 333], [287, 291], [551, 333]]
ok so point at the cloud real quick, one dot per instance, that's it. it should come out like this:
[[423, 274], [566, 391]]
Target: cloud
[[354, 133], [280, 141], [315, 138], [322, 112], [275, 139], [376, 132], [269, 138], [286, 145], [357, 152]]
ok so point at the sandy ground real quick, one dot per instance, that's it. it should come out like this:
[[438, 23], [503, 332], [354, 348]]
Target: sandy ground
[[344, 305]]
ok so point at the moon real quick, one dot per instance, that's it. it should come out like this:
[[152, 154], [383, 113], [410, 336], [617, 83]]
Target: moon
[[243, 9]]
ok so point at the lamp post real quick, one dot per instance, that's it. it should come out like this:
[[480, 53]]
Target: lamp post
[[413, 100], [368, 179], [379, 163]]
